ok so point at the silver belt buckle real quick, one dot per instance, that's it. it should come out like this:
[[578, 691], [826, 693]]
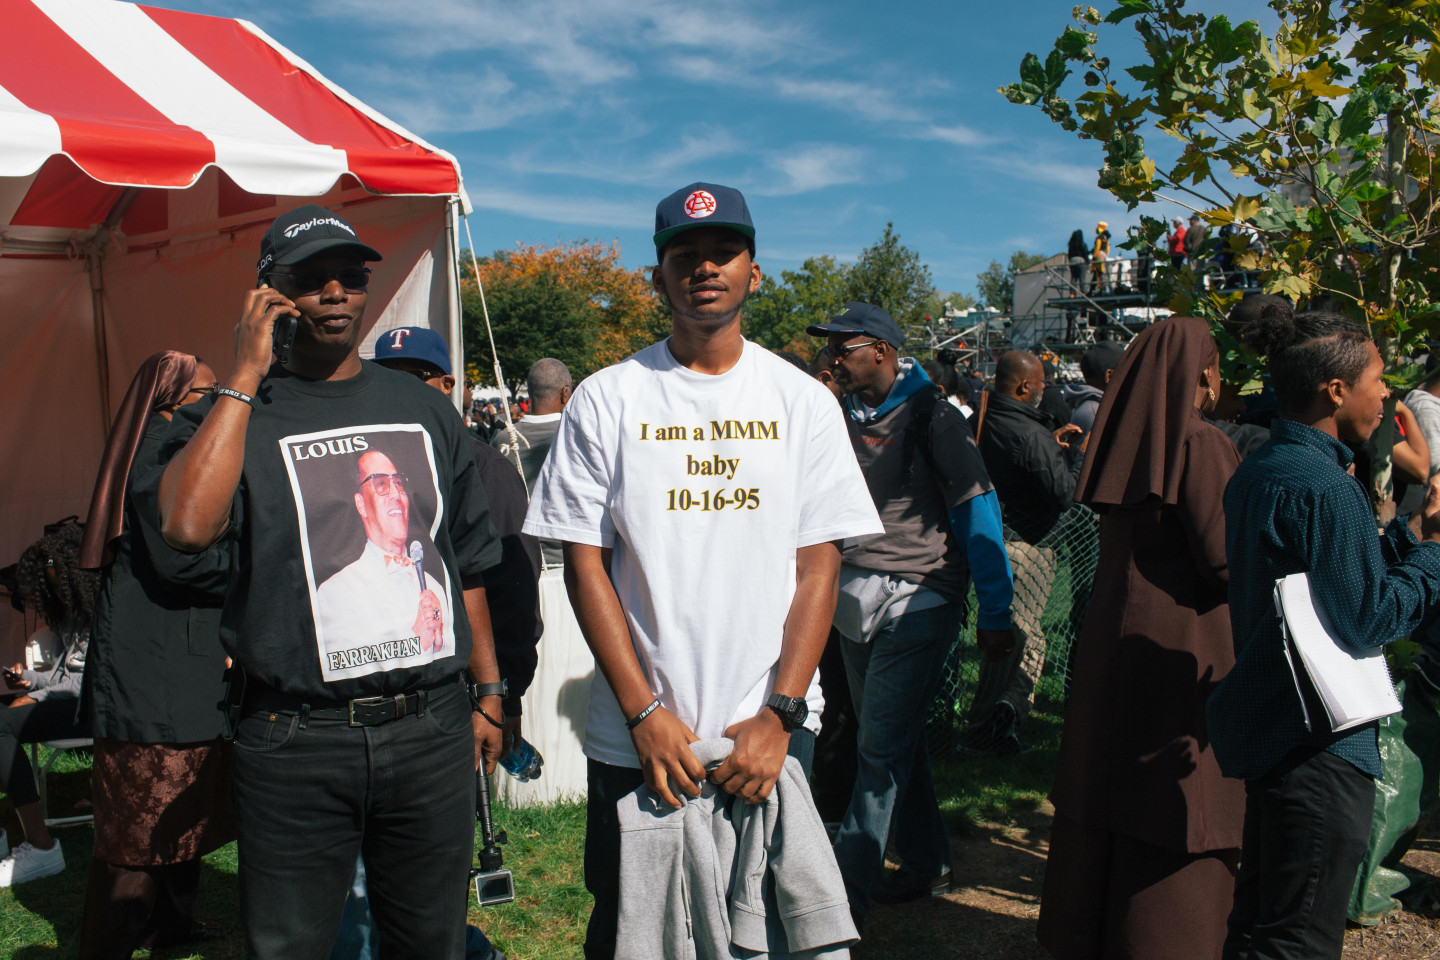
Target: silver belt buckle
[[364, 702]]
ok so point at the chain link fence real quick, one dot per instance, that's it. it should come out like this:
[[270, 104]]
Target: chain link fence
[[979, 705]]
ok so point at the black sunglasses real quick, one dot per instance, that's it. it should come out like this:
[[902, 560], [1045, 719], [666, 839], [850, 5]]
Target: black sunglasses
[[210, 389], [423, 373], [311, 279], [842, 352]]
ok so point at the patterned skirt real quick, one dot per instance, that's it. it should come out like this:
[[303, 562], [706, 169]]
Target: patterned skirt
[[161, 803]]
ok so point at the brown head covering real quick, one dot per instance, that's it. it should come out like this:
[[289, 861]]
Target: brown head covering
[[1147, 412], [161, 383]]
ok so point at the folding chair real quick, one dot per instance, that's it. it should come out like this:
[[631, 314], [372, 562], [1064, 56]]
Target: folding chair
[[56, 747]]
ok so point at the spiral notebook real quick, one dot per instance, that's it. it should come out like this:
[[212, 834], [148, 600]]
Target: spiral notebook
[[1354, 686]]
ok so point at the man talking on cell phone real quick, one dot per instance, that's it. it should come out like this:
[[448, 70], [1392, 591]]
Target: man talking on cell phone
[[348, 740]]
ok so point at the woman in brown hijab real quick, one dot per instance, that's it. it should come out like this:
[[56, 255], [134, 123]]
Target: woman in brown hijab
[[1146, 835], [152, 684]]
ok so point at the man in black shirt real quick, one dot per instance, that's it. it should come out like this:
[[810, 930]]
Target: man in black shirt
[[344, 743], [511, 586], [1027, 461]]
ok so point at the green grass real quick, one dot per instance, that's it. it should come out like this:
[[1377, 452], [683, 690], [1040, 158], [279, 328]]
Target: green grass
[[40, 920]]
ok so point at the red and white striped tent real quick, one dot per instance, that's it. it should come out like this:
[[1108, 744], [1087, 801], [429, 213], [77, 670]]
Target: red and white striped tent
[[142, 154]]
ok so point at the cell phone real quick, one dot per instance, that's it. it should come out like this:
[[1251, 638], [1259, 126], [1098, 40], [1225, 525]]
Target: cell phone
[[285, 328], [11, 675]]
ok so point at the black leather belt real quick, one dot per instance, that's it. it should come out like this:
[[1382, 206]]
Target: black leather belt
[[360, 712]]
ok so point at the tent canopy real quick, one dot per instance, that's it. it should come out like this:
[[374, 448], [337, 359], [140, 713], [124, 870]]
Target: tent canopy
[[142, 154]]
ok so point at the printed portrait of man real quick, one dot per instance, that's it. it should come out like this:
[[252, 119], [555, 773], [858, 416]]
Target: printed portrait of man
[[386, 601]]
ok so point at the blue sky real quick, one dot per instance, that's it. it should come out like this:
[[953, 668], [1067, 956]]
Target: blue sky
[[571, 118]]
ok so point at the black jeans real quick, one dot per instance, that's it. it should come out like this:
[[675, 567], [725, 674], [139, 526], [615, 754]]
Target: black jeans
[[606, 784], [1307, 823], [35, 722], [308, 799]]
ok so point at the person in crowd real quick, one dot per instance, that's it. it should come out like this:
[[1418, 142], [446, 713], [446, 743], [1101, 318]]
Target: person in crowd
[[1177, 242], [976, 383], [1096, 366], [550, 385], [373, 747], [822, 369], [836, 761], [794, 359], [46, 705], [1292, 507], [961, 399], [1424, 404], [1146, 836], [701, 489], [1078, 253], [1034, 478], [155, 677], [902, 598], [511, 594], [1099, 281], [1052, 399], [1195, 236]]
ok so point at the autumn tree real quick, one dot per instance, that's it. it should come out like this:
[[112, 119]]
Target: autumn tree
[[573, 302], [1316, 141]]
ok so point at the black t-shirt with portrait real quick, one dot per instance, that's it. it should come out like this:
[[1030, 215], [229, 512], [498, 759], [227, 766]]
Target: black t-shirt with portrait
[[358, 521]]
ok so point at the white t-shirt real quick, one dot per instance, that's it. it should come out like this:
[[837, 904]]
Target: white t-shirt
[[705, 487]]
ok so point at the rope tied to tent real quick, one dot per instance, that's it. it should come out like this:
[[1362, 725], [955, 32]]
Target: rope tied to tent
[[499, 374]]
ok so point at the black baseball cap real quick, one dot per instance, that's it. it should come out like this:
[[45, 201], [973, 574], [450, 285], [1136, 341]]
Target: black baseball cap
[[304, 232], [866, 318], [1105, 355], [702, 205]]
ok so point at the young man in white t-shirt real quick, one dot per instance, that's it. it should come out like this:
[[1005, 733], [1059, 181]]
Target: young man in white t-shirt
[[701, 489]]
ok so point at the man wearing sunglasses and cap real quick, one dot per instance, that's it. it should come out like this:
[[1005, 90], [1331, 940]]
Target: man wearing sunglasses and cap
[[700, 489], [902, 597], [349, 736]]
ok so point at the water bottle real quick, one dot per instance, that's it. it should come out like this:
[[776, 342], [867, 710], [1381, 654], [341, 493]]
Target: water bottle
[[523, 762]]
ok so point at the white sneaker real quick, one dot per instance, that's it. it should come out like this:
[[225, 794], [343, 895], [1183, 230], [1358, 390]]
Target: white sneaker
[[27, 863]]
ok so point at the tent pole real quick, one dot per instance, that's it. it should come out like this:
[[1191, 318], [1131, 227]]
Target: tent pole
[[102, 355], [94, 266], [457, 327]]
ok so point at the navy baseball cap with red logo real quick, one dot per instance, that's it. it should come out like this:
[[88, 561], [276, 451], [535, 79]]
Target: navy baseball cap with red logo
[[702, 205], [414, 343], [304, 232]]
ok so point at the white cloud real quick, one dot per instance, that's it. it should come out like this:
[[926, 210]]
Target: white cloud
[[579, 210], [430, 102], [812, 168], [958, 134], [1045, 171], [694, 152]]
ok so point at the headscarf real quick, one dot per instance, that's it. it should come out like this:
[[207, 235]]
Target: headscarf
[[161, 383], [1148, 410]]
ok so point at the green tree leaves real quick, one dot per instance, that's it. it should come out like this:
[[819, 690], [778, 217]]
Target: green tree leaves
[[996, 284], [891, 275]]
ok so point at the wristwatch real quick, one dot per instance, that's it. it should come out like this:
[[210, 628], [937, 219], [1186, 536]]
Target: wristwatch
[[478, 690], [792, 710]]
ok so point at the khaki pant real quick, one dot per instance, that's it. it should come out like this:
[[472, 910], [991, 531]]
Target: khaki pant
[[1013, 679]]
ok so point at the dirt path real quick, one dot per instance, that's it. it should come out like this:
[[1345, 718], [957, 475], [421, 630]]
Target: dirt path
[[991, 915]]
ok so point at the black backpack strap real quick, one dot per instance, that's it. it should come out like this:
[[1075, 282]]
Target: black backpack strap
[[917, 431]]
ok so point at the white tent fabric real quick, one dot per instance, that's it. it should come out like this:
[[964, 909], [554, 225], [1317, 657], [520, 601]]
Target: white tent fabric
[[143, 152], [556, 703]]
